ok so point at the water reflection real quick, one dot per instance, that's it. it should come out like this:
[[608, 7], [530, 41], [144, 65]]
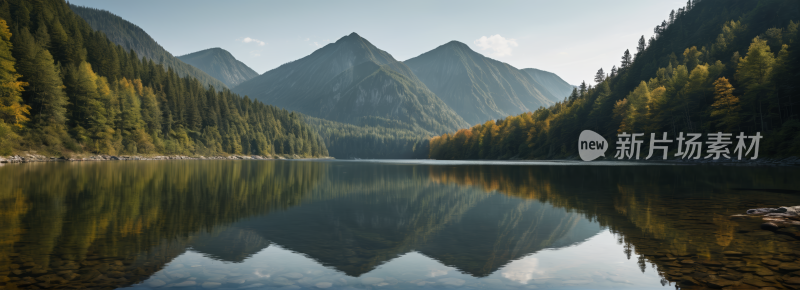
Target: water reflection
[[233, 224]]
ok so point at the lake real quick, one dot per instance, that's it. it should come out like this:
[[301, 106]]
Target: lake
[[334, 224]]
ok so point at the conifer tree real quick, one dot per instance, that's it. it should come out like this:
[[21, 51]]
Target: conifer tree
[[641, 46], [12, 109], [726, 105], [626, 60], [753, 73], [599, 76]]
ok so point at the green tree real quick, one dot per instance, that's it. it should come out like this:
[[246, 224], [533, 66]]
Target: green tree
[[12, 110], [726, 105], [753, 74]]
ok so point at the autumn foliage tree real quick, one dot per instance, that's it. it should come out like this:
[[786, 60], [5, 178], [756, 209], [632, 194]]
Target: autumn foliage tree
[[726, 106]]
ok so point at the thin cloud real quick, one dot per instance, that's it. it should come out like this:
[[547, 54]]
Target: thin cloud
[[496, 45], [252, 40]]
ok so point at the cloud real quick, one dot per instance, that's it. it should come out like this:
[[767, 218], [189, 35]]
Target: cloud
[[523, 271], [252, 40], [255, 53], [496, 44]]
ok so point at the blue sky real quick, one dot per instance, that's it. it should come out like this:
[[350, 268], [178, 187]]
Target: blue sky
[[570, 38]]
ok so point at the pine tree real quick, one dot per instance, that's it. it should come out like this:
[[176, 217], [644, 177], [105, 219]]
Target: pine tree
[[45, 93], [12, 110], [641, 47], [754, 72], [599, 76], [626, 60], [672, 17], [726, 105]]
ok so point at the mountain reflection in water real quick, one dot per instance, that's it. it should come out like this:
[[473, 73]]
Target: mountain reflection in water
[[337, 224]]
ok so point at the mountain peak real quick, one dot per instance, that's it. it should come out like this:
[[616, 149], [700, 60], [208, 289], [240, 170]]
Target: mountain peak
[[350, 37], [456, 43], [220, 64]]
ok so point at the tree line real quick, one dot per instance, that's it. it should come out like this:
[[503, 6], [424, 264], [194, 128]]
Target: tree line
[[67, 88], [743, 79]]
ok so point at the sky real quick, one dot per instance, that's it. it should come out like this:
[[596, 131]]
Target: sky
[[572, 38]]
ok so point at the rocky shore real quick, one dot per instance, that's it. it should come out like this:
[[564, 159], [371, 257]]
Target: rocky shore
[[775, 219], [33, 157]]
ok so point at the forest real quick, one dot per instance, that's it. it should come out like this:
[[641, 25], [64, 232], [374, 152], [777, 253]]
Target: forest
[[67, 89], [712, 66], [376, 138]]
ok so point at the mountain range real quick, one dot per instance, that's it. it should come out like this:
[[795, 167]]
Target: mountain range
[[352, 81], [220, 64]]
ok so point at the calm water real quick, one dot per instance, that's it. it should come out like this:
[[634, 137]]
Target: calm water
[[392, 225]]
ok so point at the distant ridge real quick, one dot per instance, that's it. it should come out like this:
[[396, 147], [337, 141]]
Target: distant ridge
[[220, 64], [130, 36], [551, 82]]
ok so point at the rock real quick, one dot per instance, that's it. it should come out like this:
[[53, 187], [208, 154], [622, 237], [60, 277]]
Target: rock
[[209, 285], [452, 281], [710, 263], [323, 285], [293, 275], [155, 283], [732, 253], [687, 262], [371, 280], [764, 272], [256, 285], [756, 282], [70, 276], [789, 267], [793, 281], [115, 274], [770, 226], [720, 283], [185, 284]]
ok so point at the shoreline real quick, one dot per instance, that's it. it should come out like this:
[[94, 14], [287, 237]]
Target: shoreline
[[28, 157]]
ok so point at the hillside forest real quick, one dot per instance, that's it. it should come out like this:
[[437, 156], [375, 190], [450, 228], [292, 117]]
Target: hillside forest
[[713, 66], [67, 89]]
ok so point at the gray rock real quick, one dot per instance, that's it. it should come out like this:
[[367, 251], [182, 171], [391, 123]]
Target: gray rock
[[323, 285]]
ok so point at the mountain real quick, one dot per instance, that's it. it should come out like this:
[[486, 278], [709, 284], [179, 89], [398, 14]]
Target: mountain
[[551, 82], [476, 87], [353, 81], [132, 37], [220, 64]]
